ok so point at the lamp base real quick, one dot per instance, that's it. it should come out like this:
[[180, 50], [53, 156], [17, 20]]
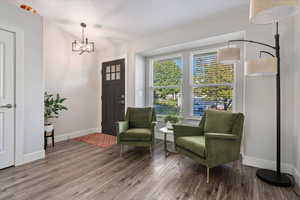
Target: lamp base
[[272, 178]]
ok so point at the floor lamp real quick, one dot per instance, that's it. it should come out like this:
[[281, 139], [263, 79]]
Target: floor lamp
[[266, 12]]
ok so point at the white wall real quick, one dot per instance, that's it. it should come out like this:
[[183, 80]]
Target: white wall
[[140, 80], [72, 76], [32, 25], [259, 105], [296, 105]]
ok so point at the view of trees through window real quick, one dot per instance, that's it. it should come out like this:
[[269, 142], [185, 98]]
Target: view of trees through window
[[212, 84], [167, 77]]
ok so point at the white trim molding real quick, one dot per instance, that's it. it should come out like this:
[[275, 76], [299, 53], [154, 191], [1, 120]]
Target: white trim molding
[[20, 158], [67, 136], [270, 164], [297, 176], [30, 157]]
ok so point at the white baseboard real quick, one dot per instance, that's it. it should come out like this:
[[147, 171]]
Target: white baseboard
[[30, 157], [270, 164], [67, 136], [297, 176]]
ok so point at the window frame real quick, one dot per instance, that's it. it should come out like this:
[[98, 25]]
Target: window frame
[[151, 86], [192, 85], [186, 87]]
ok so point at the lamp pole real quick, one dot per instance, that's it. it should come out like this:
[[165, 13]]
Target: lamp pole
[[278, 98], [274, 177]]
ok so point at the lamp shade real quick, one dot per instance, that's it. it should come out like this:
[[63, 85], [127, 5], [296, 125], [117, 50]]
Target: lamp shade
[[228, 55], [261, 66], [270, 11]]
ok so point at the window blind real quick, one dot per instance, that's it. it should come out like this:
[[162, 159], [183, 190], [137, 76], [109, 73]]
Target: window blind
[[206, 70]]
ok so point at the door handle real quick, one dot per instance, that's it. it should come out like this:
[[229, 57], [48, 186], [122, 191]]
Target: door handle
[[8, 106]]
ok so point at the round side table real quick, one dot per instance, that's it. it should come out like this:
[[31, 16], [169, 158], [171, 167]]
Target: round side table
[[166, 132]]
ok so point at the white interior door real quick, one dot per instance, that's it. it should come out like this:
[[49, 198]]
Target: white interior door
[[7, 99]]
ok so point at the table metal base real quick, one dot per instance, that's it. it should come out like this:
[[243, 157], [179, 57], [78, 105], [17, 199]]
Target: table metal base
[[167, 151]]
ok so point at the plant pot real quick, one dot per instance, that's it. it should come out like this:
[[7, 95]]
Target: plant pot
[[48, 127]]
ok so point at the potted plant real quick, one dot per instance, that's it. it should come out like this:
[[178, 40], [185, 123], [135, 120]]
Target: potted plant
[[170, 120], [53, 106]]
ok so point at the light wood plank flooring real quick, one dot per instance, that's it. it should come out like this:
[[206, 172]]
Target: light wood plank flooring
[[78, 171]]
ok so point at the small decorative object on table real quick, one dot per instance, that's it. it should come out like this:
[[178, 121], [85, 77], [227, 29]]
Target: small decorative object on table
[[170, 120], [53, 105], [169, 125]]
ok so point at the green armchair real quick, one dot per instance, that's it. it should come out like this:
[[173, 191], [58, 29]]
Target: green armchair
[[216, 141], [137, 129]]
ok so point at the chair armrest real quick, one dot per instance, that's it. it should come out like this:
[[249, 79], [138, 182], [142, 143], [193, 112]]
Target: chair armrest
[[122, 126], [221, 148], [186, 130], [153, 124], [221, 136]]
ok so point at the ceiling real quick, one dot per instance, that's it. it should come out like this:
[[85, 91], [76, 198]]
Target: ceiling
[[116, 21]]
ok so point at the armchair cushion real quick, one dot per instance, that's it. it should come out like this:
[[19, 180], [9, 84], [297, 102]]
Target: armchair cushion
[[187, 130], [136, 134], [140, 117], [195, 144], [219, 121]]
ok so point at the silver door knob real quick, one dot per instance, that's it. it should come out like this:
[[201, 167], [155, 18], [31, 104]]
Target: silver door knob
[[8, 106]]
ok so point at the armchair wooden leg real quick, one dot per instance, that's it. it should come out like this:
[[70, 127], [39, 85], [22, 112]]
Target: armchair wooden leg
[[121, 149], [150, 148], [207, 175]]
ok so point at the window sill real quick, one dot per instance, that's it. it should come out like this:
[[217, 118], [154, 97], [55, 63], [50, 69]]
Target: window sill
[[193, 118], [160, 118]]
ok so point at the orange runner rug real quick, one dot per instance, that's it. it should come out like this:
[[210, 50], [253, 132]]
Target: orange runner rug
[[98, 139]]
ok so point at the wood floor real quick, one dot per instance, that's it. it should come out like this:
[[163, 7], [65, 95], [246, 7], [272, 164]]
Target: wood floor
[[79, 171]]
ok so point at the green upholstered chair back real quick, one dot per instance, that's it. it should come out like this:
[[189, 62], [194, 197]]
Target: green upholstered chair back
[[215, 121], [140, 117]]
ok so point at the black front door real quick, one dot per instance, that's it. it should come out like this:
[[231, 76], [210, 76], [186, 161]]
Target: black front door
[[113, 94]]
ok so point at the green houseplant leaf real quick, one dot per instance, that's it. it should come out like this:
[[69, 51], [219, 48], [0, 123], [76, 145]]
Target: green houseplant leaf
[[53, 106]]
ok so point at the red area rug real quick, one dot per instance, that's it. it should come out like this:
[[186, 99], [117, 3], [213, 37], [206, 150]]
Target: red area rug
[[98, 139]]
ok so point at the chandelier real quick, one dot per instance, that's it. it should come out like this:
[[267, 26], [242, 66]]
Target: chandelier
[[84, 45]]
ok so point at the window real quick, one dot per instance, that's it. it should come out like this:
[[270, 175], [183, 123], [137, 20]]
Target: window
[[113, 72], [196, 74], [166, 85], [212, 84]]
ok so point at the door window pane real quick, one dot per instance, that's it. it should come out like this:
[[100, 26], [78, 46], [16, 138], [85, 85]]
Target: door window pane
[[108, 77], [118, 76], [113, 68], [118, 68], [108, 69], [113, 76]]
